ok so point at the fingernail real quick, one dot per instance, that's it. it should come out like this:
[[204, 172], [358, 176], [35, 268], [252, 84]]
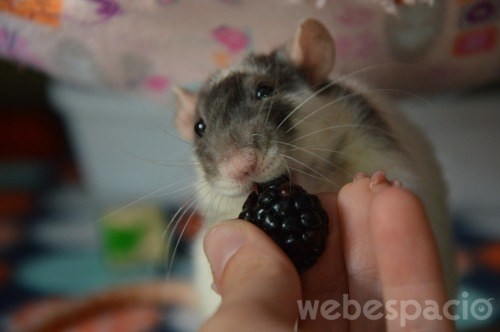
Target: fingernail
[[221, 243]]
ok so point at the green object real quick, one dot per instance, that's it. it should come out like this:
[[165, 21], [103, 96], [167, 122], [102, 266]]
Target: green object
[[120, 243], [134, 236]]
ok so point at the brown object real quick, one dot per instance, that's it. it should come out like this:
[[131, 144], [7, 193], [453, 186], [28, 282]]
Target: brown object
[[152, 294]]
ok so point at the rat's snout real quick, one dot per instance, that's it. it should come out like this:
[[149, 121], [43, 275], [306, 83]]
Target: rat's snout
[[239, 164]]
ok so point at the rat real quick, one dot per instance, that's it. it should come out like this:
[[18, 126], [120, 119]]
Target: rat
[[281, 113]]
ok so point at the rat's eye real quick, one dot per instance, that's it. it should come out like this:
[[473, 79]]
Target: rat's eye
[[263, 91], [199, 128]]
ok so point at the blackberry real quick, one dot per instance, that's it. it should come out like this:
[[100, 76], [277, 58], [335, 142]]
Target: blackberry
[[293, 218]]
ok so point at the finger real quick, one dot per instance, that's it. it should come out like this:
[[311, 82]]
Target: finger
[[326, 280], [354, 204], [408, 261], [258, 283]]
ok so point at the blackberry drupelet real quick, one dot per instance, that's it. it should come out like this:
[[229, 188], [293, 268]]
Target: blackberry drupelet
[[293, 218]]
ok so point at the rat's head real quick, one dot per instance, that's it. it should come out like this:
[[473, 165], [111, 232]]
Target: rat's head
[[239, 121]]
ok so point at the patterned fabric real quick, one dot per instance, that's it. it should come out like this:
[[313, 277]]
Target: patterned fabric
[[149, 45]]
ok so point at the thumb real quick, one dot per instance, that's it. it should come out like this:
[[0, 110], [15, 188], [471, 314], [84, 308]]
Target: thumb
[[258, 283]]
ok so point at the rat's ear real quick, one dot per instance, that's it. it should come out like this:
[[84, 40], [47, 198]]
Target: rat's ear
[[312, 50], [185, 113]]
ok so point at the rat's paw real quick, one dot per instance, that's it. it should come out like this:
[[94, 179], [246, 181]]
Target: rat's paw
[[376, 182], [379, 182], [359, 176]]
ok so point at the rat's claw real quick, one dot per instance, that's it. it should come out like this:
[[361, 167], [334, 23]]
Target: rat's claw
[[377, 178], [359, 176]]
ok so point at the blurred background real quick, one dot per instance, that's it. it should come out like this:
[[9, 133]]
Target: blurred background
[[65, 184], [65, 232], [91, 172]]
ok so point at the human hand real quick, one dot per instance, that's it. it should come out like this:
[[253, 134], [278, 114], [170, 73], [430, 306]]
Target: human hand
[[380, 247]]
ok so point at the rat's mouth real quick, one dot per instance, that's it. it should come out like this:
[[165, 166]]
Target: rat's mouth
[[238, 184], [233, 188]]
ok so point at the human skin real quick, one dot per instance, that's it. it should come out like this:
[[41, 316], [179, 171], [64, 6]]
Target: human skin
[[380, 247]]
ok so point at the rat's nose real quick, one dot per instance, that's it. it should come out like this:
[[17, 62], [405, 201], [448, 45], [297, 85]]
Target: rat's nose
[[239, 164]]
